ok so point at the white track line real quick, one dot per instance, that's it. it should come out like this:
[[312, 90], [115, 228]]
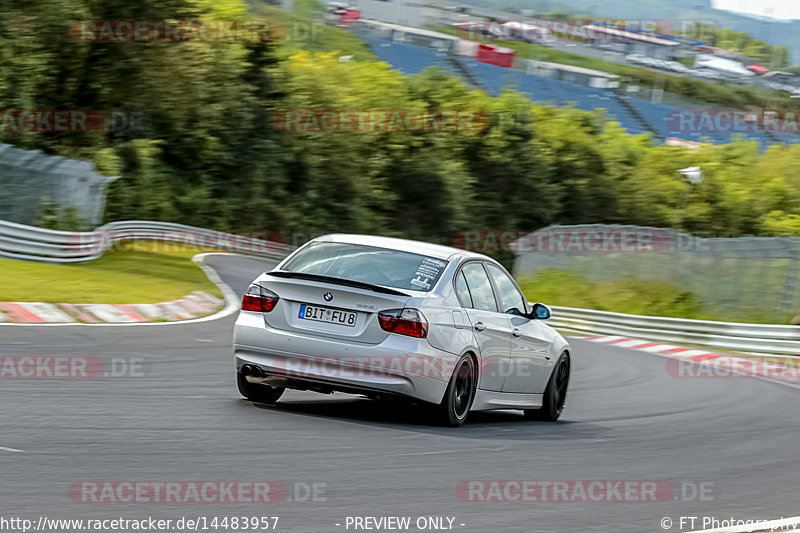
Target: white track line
[[231, 302], [5, 449]]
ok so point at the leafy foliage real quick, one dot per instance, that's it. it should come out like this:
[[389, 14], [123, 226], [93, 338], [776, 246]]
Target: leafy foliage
[[209, 153]]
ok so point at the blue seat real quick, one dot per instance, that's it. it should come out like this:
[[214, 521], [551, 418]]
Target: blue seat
[[407, 58], [554, 92], [662, 118], [666, 119]]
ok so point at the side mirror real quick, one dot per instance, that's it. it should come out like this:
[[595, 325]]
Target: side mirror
[[539, 312]]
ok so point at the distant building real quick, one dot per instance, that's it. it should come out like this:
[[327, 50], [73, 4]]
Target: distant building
[[652, 44], [368, 29], [30, 179], [403, 12], [572, 74]]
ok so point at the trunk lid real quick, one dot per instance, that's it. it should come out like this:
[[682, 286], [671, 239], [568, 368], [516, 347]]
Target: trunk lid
[[335, 309]]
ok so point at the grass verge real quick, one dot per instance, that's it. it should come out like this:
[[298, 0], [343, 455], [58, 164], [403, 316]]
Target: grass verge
[[632, 296], [141, 272]]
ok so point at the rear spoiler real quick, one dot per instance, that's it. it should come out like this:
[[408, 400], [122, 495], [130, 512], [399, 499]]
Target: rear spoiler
[[336, 281]]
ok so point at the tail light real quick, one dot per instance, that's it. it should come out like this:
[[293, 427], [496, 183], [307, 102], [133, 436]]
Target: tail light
[[259, 299], [404, 321]]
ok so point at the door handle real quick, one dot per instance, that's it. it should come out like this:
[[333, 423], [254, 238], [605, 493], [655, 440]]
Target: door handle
[[480, 326], [516, 332]]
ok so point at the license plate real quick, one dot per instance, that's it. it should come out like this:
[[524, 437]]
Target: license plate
[[326, 314]]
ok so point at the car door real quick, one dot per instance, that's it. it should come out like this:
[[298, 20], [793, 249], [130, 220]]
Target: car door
[[529, 362], [492, 329]]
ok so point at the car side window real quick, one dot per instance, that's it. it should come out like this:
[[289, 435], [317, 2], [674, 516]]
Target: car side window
[[479, 287], [510, 298], [463, 291]]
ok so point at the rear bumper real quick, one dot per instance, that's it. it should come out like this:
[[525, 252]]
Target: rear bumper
[[399, 365]]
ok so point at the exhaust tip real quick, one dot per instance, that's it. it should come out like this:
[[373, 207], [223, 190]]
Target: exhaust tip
[[257, 372], [247, 370]]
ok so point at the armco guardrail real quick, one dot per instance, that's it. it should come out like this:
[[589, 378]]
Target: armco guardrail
[[29, 243], [763, 338]]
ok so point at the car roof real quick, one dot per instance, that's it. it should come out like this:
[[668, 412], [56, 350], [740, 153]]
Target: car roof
[[404, 245]]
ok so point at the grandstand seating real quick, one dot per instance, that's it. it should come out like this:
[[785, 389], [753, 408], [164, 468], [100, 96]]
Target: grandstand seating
[[660, 118], [554, 92], [407, 58], [665, 119]]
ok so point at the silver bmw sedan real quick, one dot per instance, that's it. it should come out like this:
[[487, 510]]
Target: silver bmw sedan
[[381, 316]]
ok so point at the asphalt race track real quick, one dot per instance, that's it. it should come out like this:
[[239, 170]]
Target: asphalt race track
[[183, 419]]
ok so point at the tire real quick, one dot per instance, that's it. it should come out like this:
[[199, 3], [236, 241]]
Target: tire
[[555, 395], [460, 393], [258, 392]]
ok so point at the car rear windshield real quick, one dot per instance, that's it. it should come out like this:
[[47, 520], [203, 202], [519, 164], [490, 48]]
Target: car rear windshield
[[368, 264]]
